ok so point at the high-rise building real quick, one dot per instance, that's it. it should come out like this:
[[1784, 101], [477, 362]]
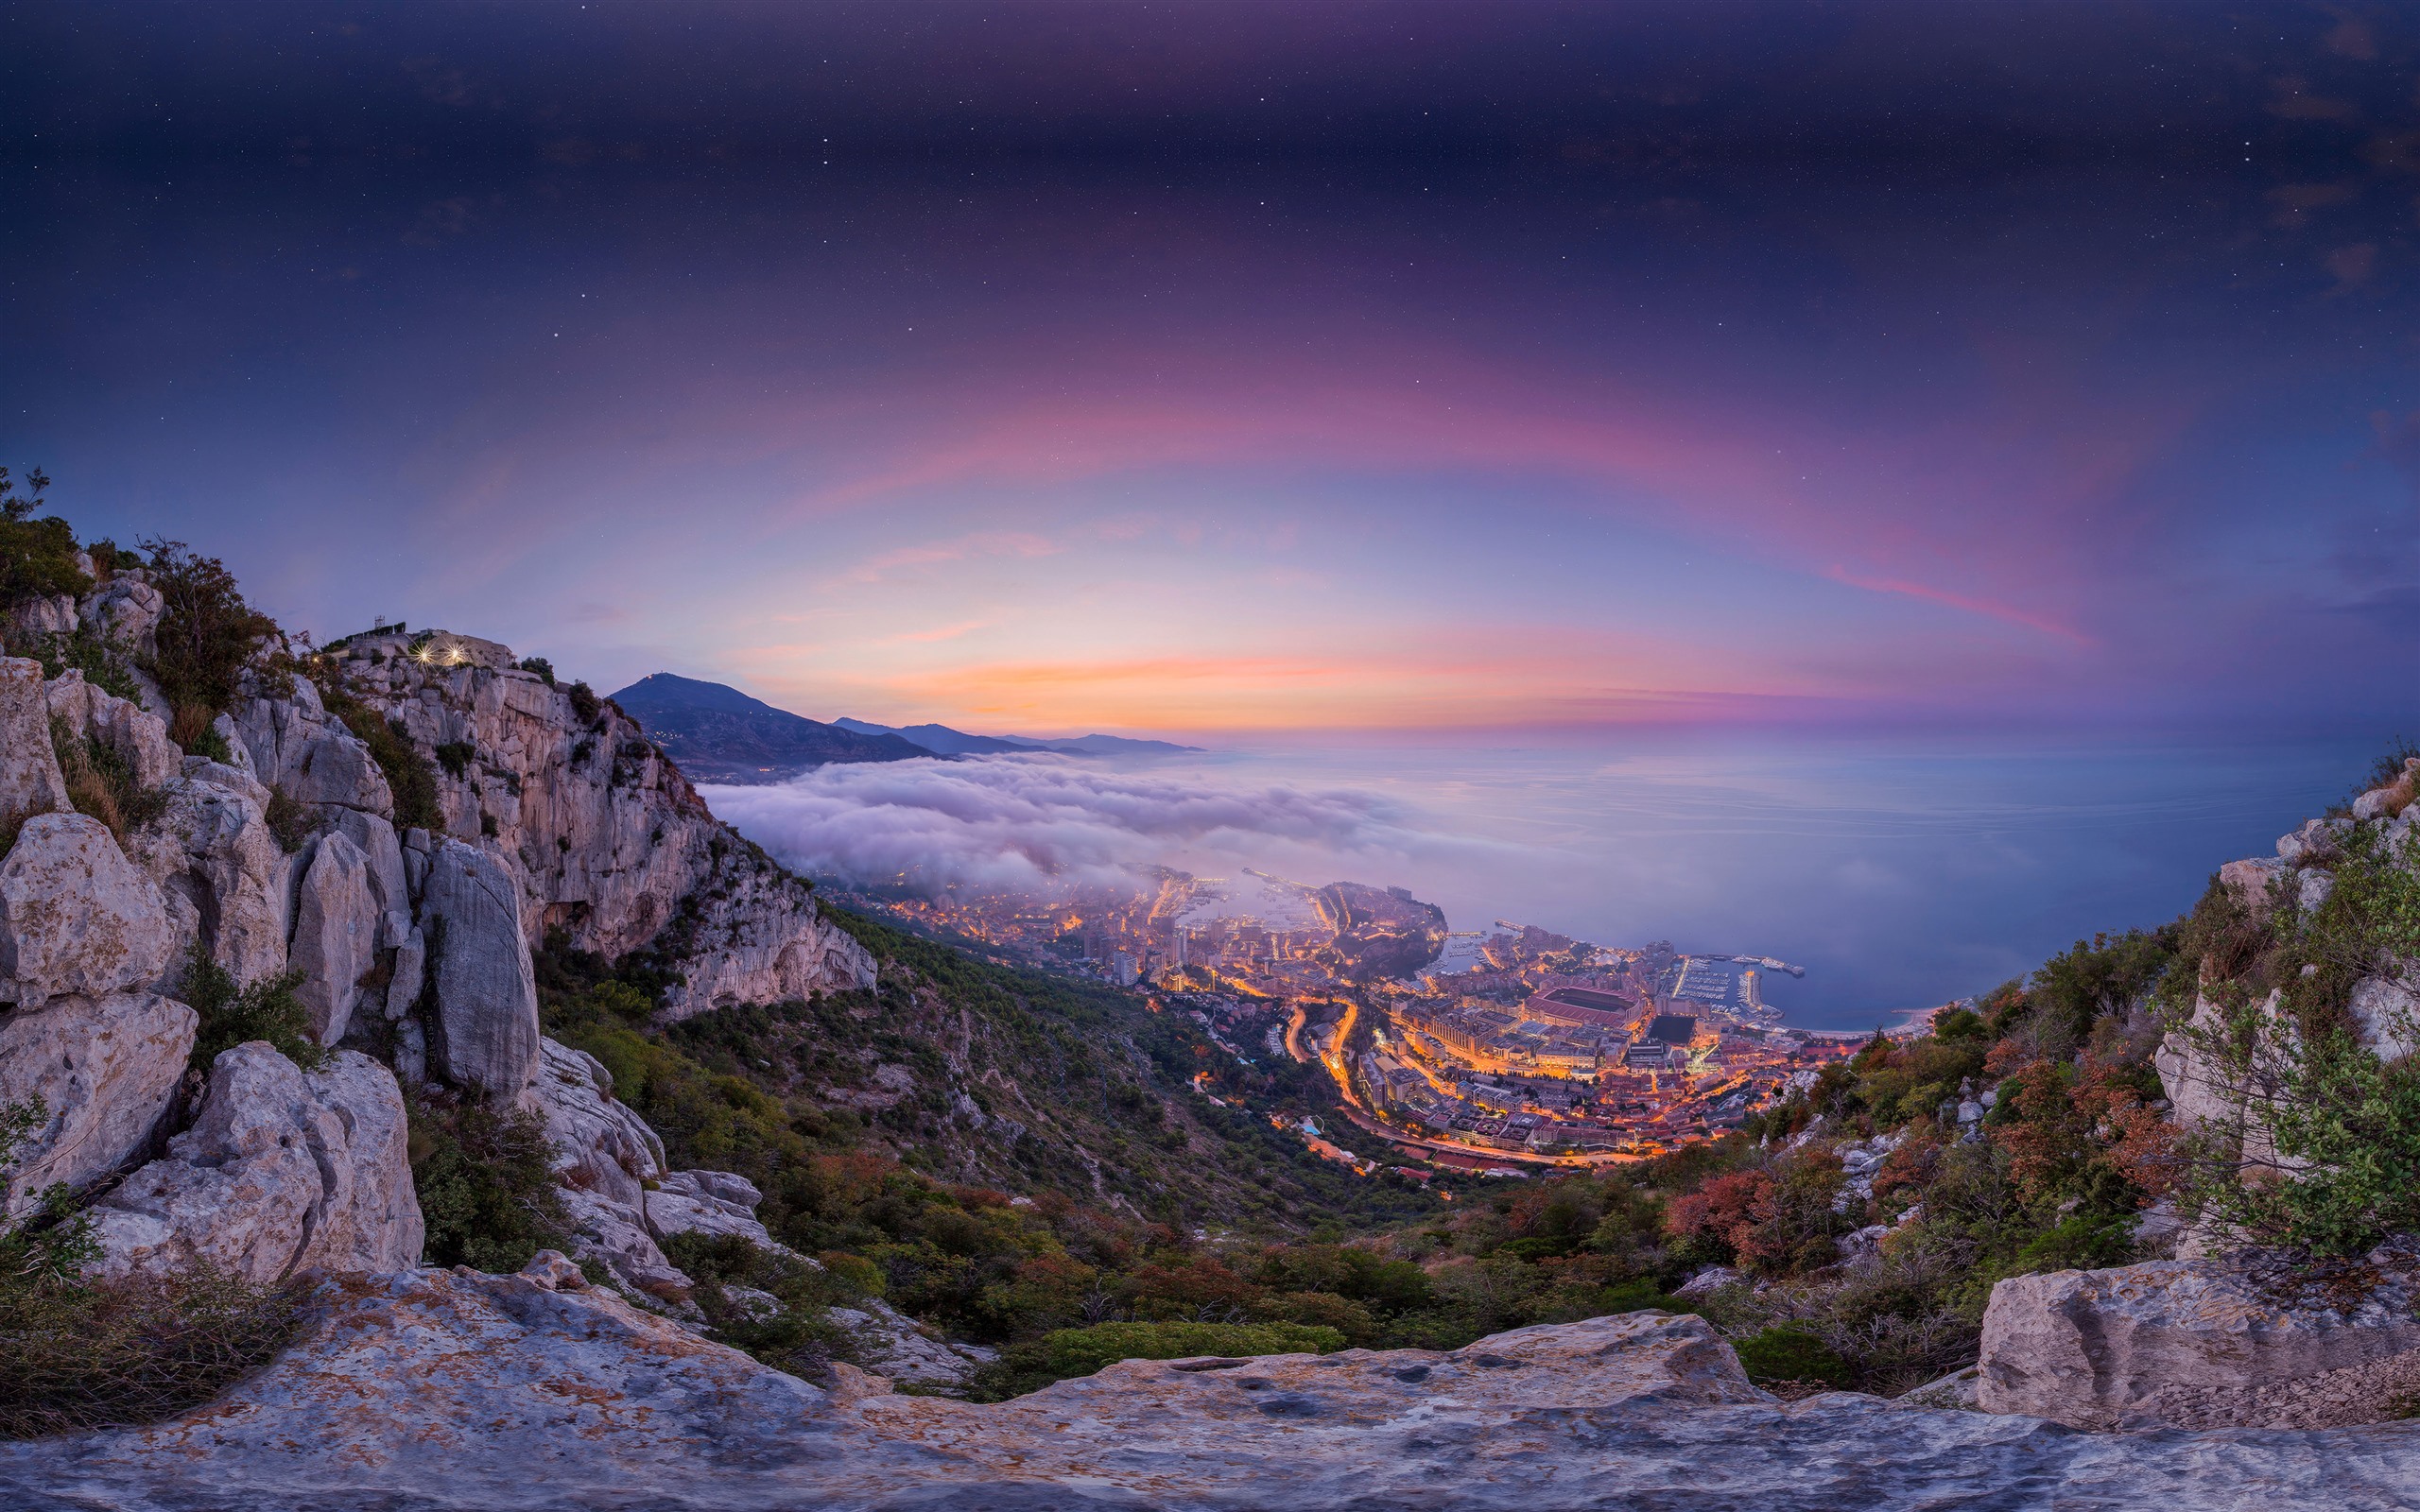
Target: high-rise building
[[1123, 970]]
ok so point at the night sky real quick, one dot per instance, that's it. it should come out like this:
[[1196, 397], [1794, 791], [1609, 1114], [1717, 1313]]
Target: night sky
[[1219, 366]]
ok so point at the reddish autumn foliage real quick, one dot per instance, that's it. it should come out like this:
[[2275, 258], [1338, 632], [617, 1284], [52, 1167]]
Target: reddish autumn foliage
[[1720, 1210]]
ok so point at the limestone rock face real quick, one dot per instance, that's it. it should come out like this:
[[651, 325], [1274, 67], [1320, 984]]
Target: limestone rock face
[[285, 1170], [127, 610], [298, 749], [76, 915], [335, 934], [29, 778], [139, 737], [765, 943], [2190, 1342], [212, 849], [605, 837], [707, 1202], [601, 1146], [897, 1349], [106, 1070], [382, 852], [614, 1234], [446, 1392], [487, 995]]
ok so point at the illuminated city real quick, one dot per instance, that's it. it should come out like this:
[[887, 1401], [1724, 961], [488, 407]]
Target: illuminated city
[[1501, 1049]]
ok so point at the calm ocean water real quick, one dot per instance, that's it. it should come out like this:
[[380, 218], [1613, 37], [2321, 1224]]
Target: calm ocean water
[[1900, 875]]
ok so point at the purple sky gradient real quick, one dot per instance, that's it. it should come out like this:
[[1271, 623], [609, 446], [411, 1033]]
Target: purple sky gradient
[[1544, 370]]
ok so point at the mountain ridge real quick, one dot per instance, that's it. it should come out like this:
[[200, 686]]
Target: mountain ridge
[[720, 734]]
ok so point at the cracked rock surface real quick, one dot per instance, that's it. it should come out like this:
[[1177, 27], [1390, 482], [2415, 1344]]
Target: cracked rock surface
[[435, 1390]]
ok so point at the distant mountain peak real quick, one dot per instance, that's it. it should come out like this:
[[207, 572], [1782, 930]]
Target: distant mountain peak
[[720, 734], [942, 740]]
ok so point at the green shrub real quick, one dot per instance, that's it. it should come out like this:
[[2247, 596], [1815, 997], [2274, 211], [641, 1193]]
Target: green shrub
[[206, 634], [37, 557], [1787, 1353], [486, 1182], [795, 1332], [211, 744], [1067, 1353], [2341, 1169], [233, 1015], [584, 702], [291, 820], [83, 650], [540, 665], [455, 756]]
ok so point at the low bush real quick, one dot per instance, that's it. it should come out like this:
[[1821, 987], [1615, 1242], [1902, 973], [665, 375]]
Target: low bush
[[486, 1182], [102, 665], [293, 821], [37, 557], [233, 1014], [1067, 1353], [77, 1354], [1789, 1354], [455, 756], [770, 1304]]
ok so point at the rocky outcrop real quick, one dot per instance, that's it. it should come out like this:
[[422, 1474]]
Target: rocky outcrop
[[335, 934], [896, 1347], [707, 1202], [2195, 1342], [447, 1392], [105, 1073], [757, 936], [75, 917], [126, 609], [601, 1146], [298, 748], [614, 1235], [285, 1172], [486, 996], [30, 782], [222, 872], [607, 840], [138, 737]]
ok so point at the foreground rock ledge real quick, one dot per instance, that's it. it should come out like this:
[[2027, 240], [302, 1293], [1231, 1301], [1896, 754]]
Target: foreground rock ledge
[[432, 1390]]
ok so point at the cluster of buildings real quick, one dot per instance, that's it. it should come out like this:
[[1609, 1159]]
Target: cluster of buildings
[[1515, 1039]]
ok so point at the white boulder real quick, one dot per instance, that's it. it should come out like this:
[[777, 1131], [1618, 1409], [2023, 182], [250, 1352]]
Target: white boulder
[[335, 934], [707, 1202], [614, 1234], [29, 778], [298, 748], [285, 1170], [487, 994], [105, 1071], [2190, 1342], [213, 848], [127, 610], [137, 736], [76, 915]]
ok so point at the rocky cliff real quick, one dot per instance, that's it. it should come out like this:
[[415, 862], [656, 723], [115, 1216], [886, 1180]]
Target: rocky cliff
[[377, 835]]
